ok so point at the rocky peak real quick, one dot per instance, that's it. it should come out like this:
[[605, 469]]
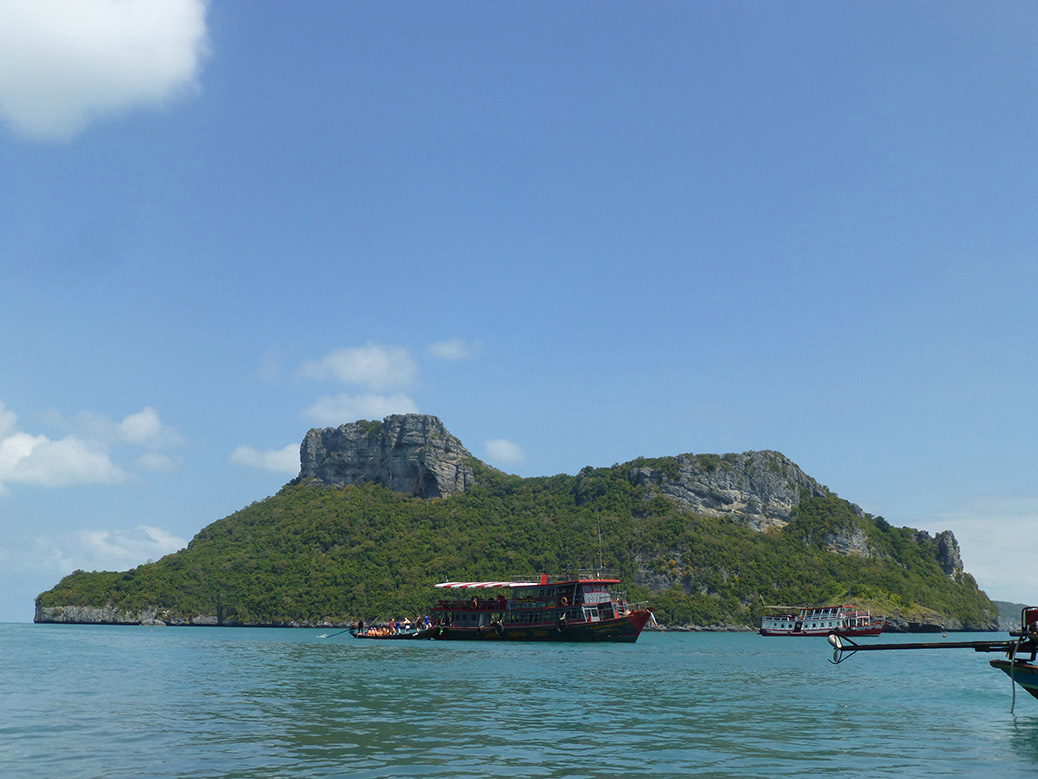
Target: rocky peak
[[760, 489], [948, 556], [409, 453]]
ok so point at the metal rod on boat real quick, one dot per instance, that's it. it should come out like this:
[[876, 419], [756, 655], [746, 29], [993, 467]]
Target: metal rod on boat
[[979, 646], [841, 650]]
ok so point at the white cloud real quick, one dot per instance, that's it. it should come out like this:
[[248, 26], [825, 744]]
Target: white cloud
[[67, 63], [159, 462], [89, 549], [8, 421], [82, 456], [377, 368], [453, 349], [124, 548], [278, 460], [144, 428], [29, 459], [335, 410], [501, 450]]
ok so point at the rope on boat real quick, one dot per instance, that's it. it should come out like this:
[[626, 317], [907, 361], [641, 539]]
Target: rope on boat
[[329, 635], [1012, 671]]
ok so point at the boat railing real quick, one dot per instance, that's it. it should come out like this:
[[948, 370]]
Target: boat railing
[[472, 604]]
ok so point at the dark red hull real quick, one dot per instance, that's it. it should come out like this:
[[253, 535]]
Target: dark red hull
[[624, 629]]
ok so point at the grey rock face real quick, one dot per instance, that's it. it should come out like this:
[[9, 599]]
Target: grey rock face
[[760, 489], [409, 453], [852, 541], [80, 615], [948, 554], [108, 615]]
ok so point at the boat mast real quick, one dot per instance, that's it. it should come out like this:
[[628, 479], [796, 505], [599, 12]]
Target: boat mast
[[599, 518]]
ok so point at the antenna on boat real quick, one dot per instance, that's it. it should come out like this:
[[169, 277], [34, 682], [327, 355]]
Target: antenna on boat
[[598, 518]]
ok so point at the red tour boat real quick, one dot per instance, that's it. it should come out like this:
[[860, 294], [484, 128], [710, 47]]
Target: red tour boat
[[577, 609]]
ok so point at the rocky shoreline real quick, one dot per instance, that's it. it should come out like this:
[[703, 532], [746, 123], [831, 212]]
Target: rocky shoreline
[[88, 615]]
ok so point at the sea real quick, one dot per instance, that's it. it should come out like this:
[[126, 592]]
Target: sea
[[106, 701]]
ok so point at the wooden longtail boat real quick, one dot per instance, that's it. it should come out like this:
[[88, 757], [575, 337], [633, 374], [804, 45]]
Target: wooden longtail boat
[[572, 609], [403, 635], [1023, 642]]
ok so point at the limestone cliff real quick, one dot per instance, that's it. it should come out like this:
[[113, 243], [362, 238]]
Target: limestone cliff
[[109, 615], [759, 489], [409, 453], [948, 556]]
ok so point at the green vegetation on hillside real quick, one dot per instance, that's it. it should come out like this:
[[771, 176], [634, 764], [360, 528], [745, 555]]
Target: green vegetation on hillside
[[315, 553]]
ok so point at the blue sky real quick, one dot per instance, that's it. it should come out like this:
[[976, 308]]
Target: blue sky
[[576, 232]]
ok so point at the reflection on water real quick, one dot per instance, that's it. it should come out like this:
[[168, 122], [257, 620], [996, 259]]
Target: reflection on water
[[203, 702]]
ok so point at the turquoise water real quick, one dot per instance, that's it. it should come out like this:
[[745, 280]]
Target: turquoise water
[[190, 702]]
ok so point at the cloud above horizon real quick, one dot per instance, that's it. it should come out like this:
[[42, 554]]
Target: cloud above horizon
[[376, 368], [284, 460], [501, 450], [65, 64], [82, 456], [87, 549], [451, 349], [144, 428], [335, 410], [37, 459]]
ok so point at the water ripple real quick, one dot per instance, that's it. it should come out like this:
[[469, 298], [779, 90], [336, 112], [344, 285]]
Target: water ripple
[[115, 702]]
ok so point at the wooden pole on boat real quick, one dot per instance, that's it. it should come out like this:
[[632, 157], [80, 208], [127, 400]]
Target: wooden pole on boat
[[841, 650], [329, 635]]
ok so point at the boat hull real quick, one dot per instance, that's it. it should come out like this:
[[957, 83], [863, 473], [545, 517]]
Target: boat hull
[[390, 636], [873, 630], [624, 629], [1023, 673]]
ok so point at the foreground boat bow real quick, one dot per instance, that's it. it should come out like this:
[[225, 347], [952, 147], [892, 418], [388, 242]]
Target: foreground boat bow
[[1021, 643]]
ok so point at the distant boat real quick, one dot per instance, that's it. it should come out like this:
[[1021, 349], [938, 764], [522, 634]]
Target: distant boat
[[821, 621], [570, 609]]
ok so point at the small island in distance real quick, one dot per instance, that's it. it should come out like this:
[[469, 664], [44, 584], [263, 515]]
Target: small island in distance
[[381, 511]]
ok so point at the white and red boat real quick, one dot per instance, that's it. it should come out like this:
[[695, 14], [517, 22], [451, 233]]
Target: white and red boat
[[821, 621], [569, 609]]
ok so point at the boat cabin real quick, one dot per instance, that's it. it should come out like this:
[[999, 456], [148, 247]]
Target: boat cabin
[[845, 619], [533, 603]]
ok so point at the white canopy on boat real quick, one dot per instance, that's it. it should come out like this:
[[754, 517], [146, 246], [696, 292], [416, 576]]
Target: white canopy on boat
[[481, 585]]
